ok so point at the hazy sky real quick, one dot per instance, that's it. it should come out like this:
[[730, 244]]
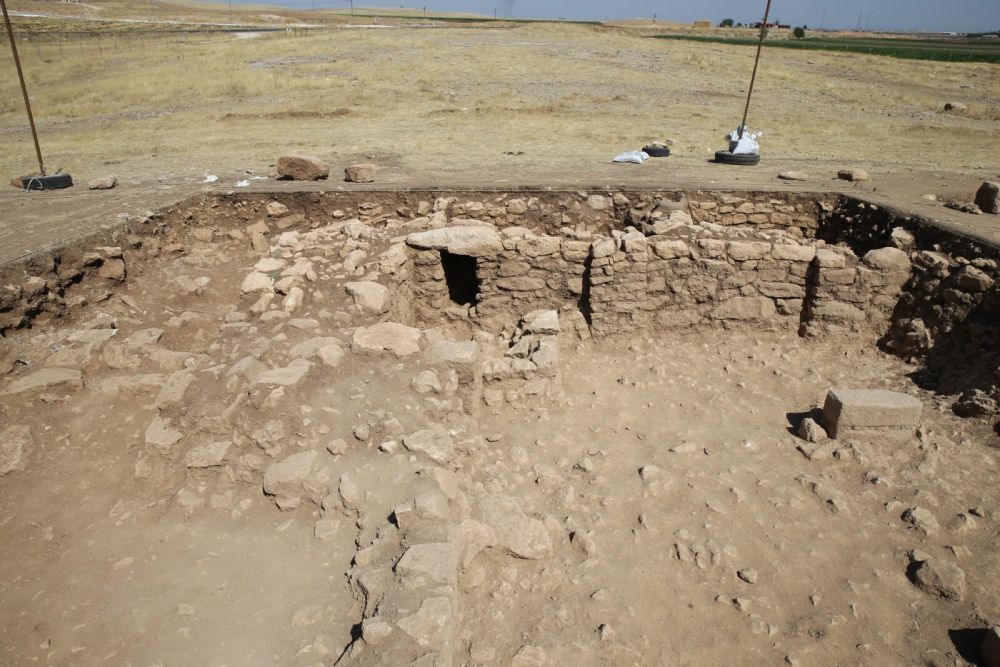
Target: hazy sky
[[944, 15]]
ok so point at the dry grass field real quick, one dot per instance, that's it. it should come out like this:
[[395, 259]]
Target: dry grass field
[[460, 99]]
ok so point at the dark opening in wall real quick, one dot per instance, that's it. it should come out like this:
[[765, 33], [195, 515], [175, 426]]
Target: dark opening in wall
[[460, 276]]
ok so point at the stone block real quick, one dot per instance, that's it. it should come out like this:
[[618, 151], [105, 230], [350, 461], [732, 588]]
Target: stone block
[[744, 250], [871, 413], [794, 253], [988, 197], [745, 308], [360, 173]]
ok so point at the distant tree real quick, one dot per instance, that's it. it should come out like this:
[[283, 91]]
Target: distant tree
[[726, 23], [739, 25], [799, 32]]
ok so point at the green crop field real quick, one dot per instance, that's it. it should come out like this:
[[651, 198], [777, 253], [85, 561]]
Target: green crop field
[[948, 50]]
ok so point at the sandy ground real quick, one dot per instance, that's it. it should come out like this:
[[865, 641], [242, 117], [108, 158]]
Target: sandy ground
[[730, 546]]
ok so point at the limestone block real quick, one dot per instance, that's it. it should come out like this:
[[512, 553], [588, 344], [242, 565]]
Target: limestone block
[[872, 413]]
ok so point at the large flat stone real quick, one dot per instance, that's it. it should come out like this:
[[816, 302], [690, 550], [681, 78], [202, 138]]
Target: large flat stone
[[62, 379], [871, 413], [472, 241], [392, 337]]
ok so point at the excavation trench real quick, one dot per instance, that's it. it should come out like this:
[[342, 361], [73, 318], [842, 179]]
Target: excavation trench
[[463, 395]]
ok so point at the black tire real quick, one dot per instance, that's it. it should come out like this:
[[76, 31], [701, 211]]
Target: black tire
[[51, 182], [656, 151], [726, 157]]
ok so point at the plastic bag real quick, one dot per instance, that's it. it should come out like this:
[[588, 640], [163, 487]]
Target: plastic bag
[[747, 145], [632, 157]]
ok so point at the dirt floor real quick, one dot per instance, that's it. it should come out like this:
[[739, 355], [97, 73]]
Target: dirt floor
[[663, 510]]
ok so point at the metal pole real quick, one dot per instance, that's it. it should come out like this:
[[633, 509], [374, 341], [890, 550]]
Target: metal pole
[[760, 45], [24, 89]]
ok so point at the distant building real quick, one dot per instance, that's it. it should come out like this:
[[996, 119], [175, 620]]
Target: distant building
[[702, 24], [990, 37], [779, 26]]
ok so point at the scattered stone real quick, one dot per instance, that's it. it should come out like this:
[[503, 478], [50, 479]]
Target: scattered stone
[[902, 239], [793, 176], [649, 472], [144, 337], [162, 435], [426, 382], [870, 413], [208, 455], [302, 168], [48, 379], [369, 296], [940, 579], [257, 282], [964, 207], [436, 561], [854, 175], [351, 493], [375, 630], [520, 535], [430, 625], [955, 107], [397, 339], [810, 431], [541, 322], [287, 376], [434, 443], [276, 209], [360, 173], [921, 519], [976, 403], [973, 280], [103, 183], [331, 355], [285, 477], [15, 442], [988, 197], [293, 300], [748, 575]]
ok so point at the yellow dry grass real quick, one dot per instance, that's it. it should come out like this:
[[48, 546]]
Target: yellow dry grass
[[467, 97]]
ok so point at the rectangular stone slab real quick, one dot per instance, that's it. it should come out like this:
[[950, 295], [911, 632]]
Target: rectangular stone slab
[[870, 412]]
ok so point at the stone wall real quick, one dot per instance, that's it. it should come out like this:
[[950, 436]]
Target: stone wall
[[947, 315], [628, 281]]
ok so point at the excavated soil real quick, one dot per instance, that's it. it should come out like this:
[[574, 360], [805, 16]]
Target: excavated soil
[[215, 477]]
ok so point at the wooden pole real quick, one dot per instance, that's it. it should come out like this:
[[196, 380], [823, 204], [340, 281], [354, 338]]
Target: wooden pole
[[760, 46], [24, 89]]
